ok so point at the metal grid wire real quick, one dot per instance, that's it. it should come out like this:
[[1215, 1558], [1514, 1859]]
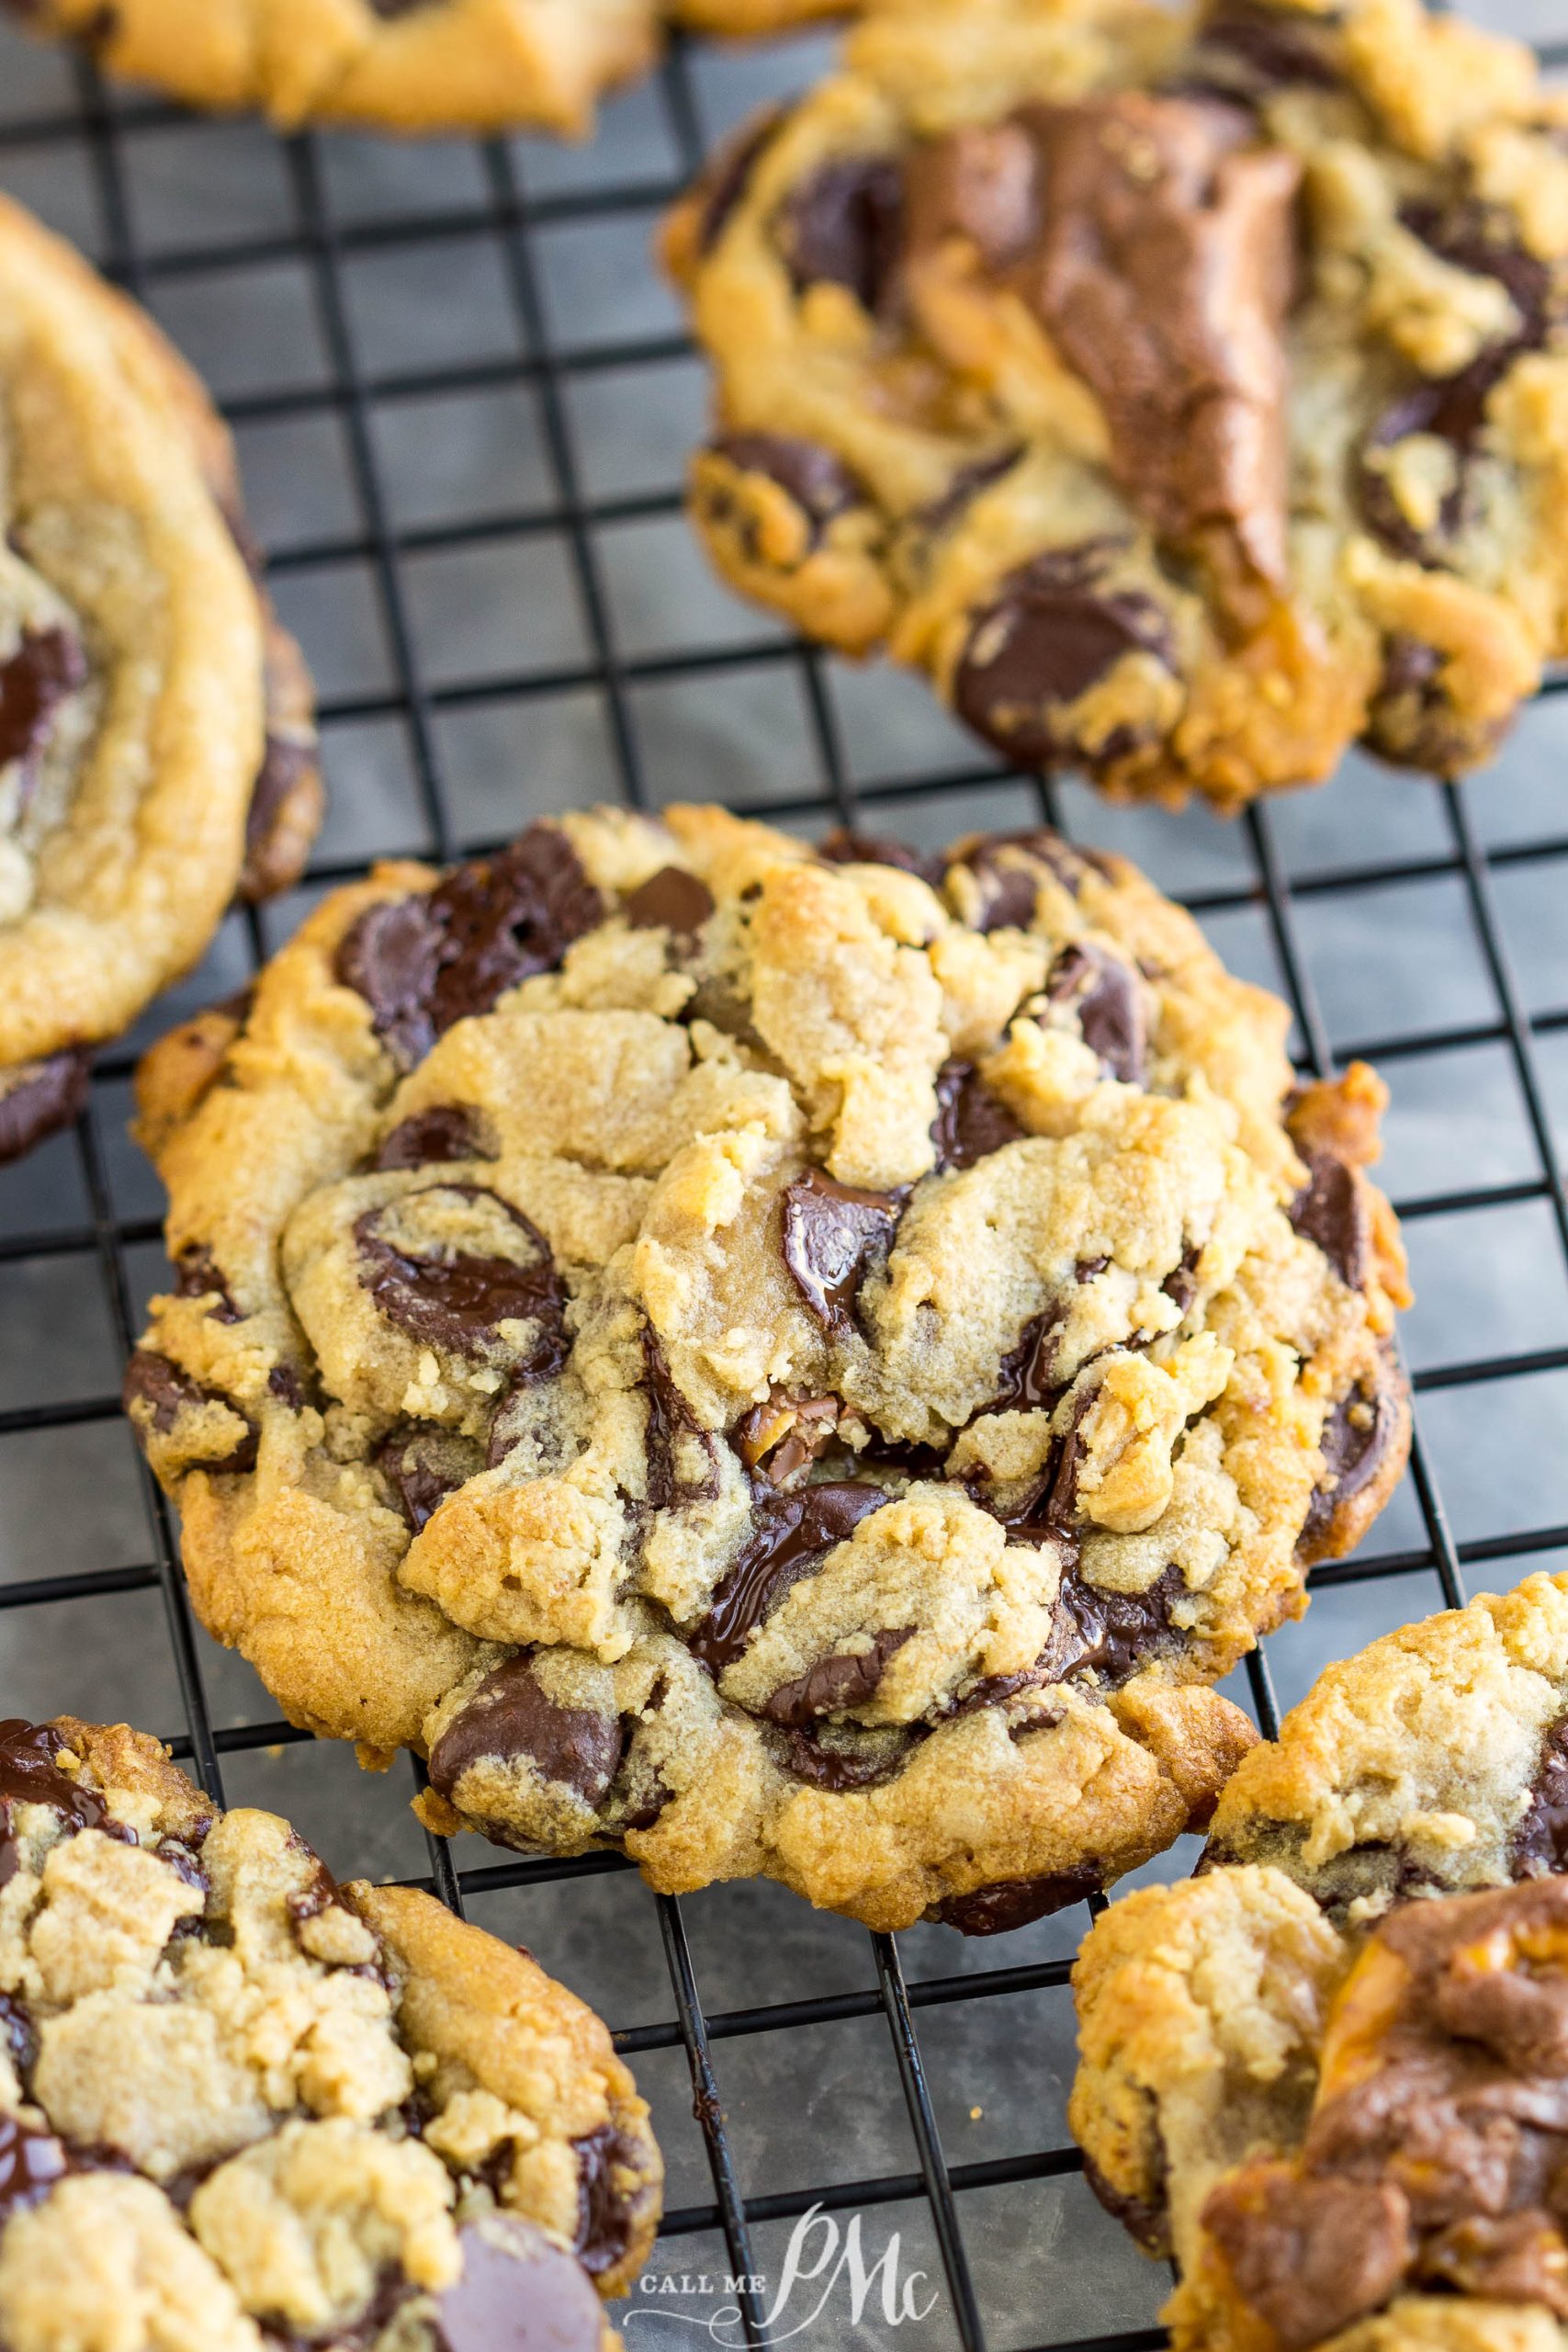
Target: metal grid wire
[[1463, 1003]]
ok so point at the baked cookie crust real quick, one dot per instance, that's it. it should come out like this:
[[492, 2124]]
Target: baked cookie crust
[[788, 1363], [157, 750], [1403, 1838], [241, 2106], [1183, 393], [400, 66]]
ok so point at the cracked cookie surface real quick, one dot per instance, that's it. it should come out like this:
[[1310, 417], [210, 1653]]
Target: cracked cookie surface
[[405, 65], [242, 2106], [1331, 2071], [789, 1362], [157, 750], [1186, 394]]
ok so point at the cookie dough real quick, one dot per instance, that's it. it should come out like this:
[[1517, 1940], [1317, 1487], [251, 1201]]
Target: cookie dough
[[1331, 2071], [779, 1360], [403, 66], [1185, 393], [242, 2106], [157, 750]]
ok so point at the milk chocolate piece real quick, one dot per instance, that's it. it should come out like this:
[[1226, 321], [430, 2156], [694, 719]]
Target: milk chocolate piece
[[832, 1236]]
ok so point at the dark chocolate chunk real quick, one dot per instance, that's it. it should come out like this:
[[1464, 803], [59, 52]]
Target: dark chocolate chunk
[[517, 2293], [671, 900], [821, 484], [46, 668], [1146, 2221], [1014, 1902], [1029, 1380], [845, 846], [1412, 720], [1253, 51], [42, 1099], [671, 1425], [18, 2036], [1482, 240], [284, 763], [1181, 1286], [424, 1463], [1046, 638], [971, 1121], [30, 1775], [1104, 993], [198, 1276], [1331, 1209], [512, 1715], [834, 1685], [1007, 868], [841, 1759], [844, 226], [791, 1535], [1356, 1436], [151, 1380], [1539, 1847], [606, 2214], [30, 2164], [436, 1137], [832, 1236], [965, 487], [1452, 410], [449, 1299], [423, 963], [1109, 1634], [723, 181]]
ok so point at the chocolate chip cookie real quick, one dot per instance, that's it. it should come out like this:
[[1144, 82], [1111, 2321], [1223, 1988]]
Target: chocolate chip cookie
[[404, 65], [1332, 2070], [156, 743], [242, 2106], [786, 1361], [1186, 394]]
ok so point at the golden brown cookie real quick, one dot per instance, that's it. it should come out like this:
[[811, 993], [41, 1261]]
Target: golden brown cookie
[[782, 1362], [157, 750], [1184, 392], [244, 2107]]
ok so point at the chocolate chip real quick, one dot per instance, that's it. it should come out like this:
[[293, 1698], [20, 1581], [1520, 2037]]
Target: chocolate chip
[[1104, 993], [672, 1424], [517, 2293], [1181, 1286], [1331, 1210], [1014, 1902], [1149, 2223], [832, 1237], [844, 226], [424, 1463], [1009, 867], [1037, 648], [46, 668], [673, 899], [1540, 1845], [791, 1535], [457, 1300], [846, 847], [40, 1098], [423, 963], [841, 1759], [437, 1136], [1358, 1437], [821, 484], [724, 180], [1412, 721], [198, 1276], [834, 1685], [512, 1717], [606, 2214], [971, 1121], [151, 1380]]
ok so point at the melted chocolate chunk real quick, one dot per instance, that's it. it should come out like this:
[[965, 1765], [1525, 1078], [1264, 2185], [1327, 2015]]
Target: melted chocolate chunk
[[1251, 51], [845, 846], [512, 1715], [1412, 720], [1029, 1381], [671, 1425], [18, 2036], [726, 179], [821, 484], [424, 1463], [1104, 993], [606, 2216], [1046, 638], [1309, 2256], [450, 1300], [1109, 1635], [1331, 1210], [832, 1237], [845, 227], [1008, 868], [517, 2293], [965, 488], [30, 1775], [284, 764], [1014, 1902], [670, 900], [51, 1095], [791, 1535], [198, 1276], [30, 2164], [1181, 1286], [1148, 2222], [845, 1757], [151, 1380], [1539, 1847], [834, 1685], [1356, 1440], [971, 1121], [436, 1137], [1482, 240], [46, 668], [423, 963]]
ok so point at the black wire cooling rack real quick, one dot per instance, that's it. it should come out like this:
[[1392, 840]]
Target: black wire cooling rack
[[1417, 926]]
